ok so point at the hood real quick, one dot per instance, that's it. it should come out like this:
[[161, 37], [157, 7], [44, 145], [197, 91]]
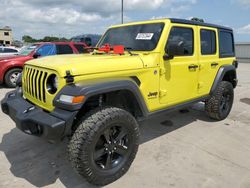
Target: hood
[[88, 64], [14, 58]]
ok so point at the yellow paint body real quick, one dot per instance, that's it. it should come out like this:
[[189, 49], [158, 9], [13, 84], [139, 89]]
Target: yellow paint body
[[172, 79]]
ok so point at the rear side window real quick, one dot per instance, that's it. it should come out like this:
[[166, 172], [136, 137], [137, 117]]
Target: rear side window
[[226, 44], [183, 37], [64, 49], [208, 42], [80, 48]]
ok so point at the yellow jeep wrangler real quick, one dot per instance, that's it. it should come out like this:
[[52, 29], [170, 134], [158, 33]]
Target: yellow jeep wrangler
[[136, 71]]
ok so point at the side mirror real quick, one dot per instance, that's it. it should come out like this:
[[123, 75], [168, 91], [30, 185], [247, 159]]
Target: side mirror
[[36, 55], [168, 57]]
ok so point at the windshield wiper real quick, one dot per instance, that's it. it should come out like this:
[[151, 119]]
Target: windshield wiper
[[128, 49]]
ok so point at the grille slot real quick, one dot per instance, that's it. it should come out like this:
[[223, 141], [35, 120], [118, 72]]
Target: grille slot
[[35, 82]]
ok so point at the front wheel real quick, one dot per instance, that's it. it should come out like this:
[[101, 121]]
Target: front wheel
[[104, 145], [219, 105]]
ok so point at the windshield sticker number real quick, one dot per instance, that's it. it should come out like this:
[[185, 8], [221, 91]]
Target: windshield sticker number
[[144, 36]]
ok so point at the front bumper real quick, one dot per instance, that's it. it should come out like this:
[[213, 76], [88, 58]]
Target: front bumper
[[33, 120]]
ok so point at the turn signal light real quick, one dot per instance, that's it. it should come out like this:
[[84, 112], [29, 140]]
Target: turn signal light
[[78, 99], [72, 99]]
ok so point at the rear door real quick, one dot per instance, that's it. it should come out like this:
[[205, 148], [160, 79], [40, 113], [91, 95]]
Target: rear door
[[208, 58]]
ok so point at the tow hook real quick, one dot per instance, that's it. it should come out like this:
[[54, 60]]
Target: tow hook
[[29, 109]]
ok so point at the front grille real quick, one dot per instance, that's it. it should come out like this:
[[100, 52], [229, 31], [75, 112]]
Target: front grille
[[35, 83]]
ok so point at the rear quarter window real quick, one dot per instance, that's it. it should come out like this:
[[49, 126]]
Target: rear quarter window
[[226, 44]]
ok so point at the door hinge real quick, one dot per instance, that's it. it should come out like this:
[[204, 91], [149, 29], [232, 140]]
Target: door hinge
[[163, 93], [162, 71], [200, 85]]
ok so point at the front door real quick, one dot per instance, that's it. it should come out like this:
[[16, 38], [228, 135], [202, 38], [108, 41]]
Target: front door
[[179, 76]]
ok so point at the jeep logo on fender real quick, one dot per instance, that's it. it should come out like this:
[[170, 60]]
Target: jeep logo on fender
[[152, 94]]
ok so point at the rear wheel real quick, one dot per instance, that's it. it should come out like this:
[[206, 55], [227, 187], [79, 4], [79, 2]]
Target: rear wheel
[[104, 145], [219, 105], [11, 77]]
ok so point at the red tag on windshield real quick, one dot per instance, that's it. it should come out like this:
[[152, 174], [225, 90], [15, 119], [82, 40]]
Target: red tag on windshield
[[119, 49]]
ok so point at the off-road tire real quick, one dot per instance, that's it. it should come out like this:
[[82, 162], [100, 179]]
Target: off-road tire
[[213, 105], [7, 77], [81, 146]]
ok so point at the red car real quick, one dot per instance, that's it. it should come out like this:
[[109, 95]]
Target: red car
[[11, 67]]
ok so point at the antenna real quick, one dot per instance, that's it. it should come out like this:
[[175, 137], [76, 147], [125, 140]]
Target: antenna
[[122, 12]]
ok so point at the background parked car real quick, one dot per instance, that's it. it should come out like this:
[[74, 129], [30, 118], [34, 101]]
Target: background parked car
[[89, 39], [7, 51], [11, 67]]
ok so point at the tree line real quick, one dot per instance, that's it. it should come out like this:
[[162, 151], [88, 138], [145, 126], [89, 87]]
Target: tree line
[[29, 39]]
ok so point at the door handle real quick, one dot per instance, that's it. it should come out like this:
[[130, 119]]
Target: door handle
[[193, 66], [214, 64]]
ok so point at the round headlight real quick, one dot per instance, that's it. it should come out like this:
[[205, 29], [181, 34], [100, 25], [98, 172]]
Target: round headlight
[[56, 83], [52, 84]]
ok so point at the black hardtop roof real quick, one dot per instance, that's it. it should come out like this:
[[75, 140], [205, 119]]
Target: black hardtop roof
[[190, 22]]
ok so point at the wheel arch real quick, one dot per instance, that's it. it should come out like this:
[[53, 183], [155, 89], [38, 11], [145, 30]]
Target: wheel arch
[[225, 73], [121, 98], [122, 93]]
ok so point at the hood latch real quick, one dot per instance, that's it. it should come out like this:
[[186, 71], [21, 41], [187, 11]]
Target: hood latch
[[69, 78]]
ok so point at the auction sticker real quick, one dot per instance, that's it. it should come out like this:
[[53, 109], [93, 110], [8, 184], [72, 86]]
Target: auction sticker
[[144, 36]]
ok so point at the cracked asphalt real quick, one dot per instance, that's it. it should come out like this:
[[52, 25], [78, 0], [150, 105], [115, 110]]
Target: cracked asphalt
[[183, 149]]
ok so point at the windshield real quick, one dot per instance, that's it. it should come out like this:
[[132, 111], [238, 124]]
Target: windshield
[[26, 50], [142, 37]]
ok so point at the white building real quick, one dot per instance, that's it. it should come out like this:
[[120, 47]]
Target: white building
[[6, 36], [243, 51]]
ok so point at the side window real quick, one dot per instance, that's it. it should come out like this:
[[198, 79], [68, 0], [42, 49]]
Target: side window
[[9, 50], [64, 49], [80, 48], [208, 42], [180, 41], [226, 44], [46, 50]]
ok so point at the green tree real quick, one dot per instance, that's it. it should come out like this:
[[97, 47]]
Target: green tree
[[28, 39]]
